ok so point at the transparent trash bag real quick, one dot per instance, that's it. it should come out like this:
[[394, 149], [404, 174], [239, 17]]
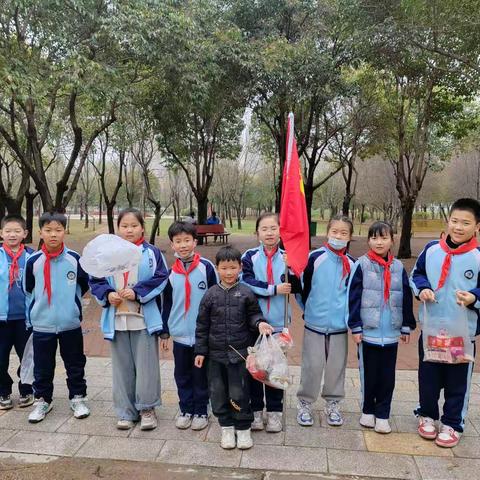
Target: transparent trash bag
[[284, 339], [108, 255], [267, 363], [26, 367], [444, 340]]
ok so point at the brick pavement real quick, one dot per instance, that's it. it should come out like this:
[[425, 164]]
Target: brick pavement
[[348, 450]]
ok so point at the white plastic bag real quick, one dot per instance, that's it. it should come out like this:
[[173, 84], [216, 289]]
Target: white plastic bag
[[108, 255], [267, 363], [445, 341], [26, 367]]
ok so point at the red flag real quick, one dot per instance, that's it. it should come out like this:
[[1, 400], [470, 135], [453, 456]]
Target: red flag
[[294, 228]]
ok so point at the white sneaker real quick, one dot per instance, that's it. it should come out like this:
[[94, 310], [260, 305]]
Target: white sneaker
[[382, 425], [274, 422], [228, 438], [41, 408], [244, 439], [447, 437], [123, 424], [367, 420], [257, 423], [304, 414], [79, 406], [148, 419], [199, 422], [426, 428], [184, 420], [333, 413]]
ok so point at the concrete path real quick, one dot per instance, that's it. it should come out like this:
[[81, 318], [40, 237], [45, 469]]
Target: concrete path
[[322, 450]]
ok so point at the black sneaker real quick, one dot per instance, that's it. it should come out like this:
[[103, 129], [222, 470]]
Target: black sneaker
[[26, 401], [5, 402]]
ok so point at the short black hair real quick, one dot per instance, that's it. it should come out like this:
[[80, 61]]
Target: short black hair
[[380, 228], [265, 215], [228, 253], [341, 218], [176, 228], [53, 216], [135, 212], [469, 204], [13, 218]]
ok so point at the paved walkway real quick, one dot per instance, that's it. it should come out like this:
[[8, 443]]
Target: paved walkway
[[349, 450]]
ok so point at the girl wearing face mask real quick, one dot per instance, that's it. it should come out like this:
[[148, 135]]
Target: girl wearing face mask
[[325, 338], [263, 270]]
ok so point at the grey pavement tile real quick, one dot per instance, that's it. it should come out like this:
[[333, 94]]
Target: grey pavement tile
[[6, 434], [166, 430], [259, 438], [323, 437], [99, 381], [468, 447], [45, 443], [474, 399], [121, 448], [405, 395], [190, 453], [295, 459], [61, 391], [475, 421], [350, 422], [18, 420], [104, 394], [403, 408], [372, 465], [93, 425], [434, 468]]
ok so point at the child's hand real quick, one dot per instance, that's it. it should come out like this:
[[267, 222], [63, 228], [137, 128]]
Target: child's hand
[[127, 294], [405, 338], [264, 328], [199, 359], [284, 288], [164, 344], [357, 338], [114, 299], [427, 295], [465, 298]]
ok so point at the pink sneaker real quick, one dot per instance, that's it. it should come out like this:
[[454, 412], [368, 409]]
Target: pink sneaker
[[426, 428], [447, 437]]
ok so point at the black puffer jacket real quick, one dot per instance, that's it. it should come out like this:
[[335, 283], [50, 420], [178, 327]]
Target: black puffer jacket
[[227, 317]]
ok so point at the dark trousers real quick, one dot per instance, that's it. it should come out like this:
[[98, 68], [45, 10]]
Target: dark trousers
[[13, 333], [230, 394], [192, 382], [273, 397], [455, 381], [377, 373], [71, 351]]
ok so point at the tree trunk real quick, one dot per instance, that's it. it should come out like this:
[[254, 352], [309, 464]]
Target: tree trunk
[[156, 223], [239, 217], [202, 202], [346, 203], [362, 214], [100, 210], [29, 197], [110, 219], [86, 215], [404, 248]]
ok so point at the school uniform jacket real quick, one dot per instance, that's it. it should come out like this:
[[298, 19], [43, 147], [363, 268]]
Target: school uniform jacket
[[176, 322], [380, 323], [324, 294], [152, 278], [12, 300], [463, 275], [254, 275], [69, 283]]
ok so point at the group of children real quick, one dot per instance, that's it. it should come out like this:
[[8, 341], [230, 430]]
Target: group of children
[[214, 313]]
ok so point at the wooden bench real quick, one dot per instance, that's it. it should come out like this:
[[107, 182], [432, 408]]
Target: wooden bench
[[205, 231]]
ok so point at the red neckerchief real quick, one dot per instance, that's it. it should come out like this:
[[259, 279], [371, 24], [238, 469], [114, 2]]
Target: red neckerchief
[[179, 267], [387, 275], [14, 268], [139, 241], [464, 248], [342, 254], [46, 269], [270, 279]]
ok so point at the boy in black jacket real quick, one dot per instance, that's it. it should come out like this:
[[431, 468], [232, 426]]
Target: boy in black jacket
[[228, 314]]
